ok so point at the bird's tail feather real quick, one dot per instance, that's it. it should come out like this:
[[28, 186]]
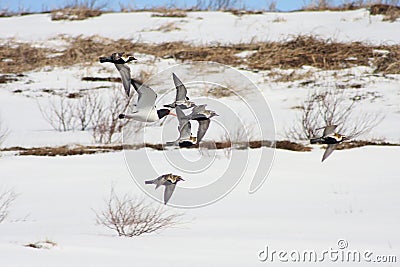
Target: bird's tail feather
[[104, 59], [149, 182]]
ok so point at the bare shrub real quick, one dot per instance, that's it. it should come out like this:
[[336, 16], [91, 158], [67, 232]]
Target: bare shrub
[[129, 216], [127, 6], [332, 107], [59, 113], [85, 110], [106, 121], [318, 5], [3, 132], [6, 11], [243, 132], [215, 4], [7, 197], [91, 111], [291, 76], [271, 5], [241, 136]]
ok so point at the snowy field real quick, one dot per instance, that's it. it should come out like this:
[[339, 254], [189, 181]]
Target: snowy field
[[352, 196], [303, 205]]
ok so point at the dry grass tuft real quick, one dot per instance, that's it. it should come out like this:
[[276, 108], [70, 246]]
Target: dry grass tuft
[[294, 75], [288, 145], [241, 12], [74, 13], [169, 13], [20, 57], [311, 51], [390, 12], [82, 150], [78, 10], [218, 91], [361, 143], [167, 27], [388, 64]]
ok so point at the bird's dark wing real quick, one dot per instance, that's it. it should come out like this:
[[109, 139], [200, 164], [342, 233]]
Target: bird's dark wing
[[125, 72], [180, 88], [169, 189], [329, 130], [203, 127], [199, 109], [185, 126], [147, 96], [158, 181], [329, 151]]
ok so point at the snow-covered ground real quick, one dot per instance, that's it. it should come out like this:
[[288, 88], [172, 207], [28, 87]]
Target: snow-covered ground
[[303, 205], [352, 196], [211, 27]]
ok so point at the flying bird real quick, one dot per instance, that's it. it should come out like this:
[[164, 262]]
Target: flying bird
[[119, 60], [145, 106], [329, 137], [181, 100], [169, 181], [202, 116], [185, 130]]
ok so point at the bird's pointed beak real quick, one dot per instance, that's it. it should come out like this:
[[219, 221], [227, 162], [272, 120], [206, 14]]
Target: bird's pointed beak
[[173, 114]]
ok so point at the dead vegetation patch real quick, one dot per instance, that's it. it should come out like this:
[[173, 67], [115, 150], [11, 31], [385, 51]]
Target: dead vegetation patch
[[167, 27], [74, 14], [288, 145], [311, 51], [361, 143], [94, 149], [241, 12], [389, 12], [219, 91], [169, 13], [291, 54], [78, 10], [101, 79]]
